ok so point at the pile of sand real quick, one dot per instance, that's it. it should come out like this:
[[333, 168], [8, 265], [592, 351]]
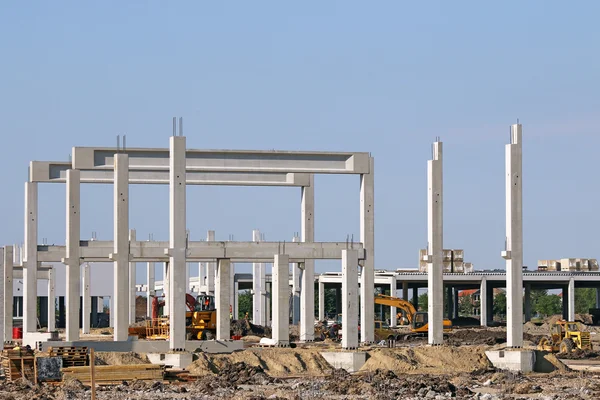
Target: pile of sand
[[428, 360], [120, 358], [274, 361]]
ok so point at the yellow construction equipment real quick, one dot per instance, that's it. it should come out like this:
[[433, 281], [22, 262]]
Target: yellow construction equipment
[[566, 336], [418, 320]]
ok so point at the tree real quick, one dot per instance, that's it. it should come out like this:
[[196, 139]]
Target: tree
[[244, 304], [548, 305], [535, 296], [466, 305], [500, 304], [584, 300], [423, 301]]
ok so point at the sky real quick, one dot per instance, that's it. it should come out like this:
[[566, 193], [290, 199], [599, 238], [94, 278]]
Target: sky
[[384, 77]]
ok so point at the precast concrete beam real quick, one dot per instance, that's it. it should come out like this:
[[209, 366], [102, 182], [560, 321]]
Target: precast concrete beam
[[30, 258], [119, 310], [150, 292], [131, 280], [281, 294], [73, 262], [367, 238], [435, 237], [571, 300], [86, 301], [222, 299], [350, 299], [51, 300], [177, 242], [86, 158], [307, 292], [513, 253], [56, 171], [483, 306]]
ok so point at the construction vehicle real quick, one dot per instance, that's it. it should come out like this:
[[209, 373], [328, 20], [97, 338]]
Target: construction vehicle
[[418, 320], [200, 320], [565, 336]]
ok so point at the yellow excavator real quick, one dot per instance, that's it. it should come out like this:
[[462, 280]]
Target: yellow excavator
[[565, 336], [418, 320]]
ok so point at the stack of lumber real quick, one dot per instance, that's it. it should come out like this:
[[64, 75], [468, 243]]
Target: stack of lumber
[[18, 364], [114, 374], [72, 356]]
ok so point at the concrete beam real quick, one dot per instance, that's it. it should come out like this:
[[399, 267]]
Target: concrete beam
[[513, 253], [177, 241], [240, 252], [222, 299], [86, 158], [367, 238], [435, 237], [350, 299], [281, 295], [56, 172], [30, 261], [86, 301], [73, 261], [307, 293], [120, 246], [8, 292]]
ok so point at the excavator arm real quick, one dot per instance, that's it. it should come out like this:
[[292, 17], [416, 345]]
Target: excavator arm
[[391, 301]]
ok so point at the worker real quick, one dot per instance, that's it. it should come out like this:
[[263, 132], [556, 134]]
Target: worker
[[246, 317], [206, 303]]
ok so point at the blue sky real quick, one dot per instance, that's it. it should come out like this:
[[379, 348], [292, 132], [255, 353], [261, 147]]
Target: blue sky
[[383, 77]]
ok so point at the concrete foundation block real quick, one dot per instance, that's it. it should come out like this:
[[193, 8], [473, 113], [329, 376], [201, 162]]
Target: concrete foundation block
[[35, 339], [512, 360], [175, 360], [350, 361]]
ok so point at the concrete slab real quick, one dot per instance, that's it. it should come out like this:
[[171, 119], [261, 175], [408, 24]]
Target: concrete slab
[[175, 360], [350, 361], [512, 360], [153, 346]]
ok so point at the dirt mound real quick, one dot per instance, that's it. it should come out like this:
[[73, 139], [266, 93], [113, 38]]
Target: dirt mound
[[274, 362], [484, 336], [120, 358], [466, 321], [432, 360], [244, 327], [578, 354]]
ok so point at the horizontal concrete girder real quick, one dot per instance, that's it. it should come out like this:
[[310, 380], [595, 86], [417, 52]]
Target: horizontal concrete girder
[[143, 251], [41, 273], [86, 158], [56, 172]]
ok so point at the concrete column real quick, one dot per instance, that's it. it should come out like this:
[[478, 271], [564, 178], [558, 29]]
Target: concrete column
[[111, 315], [280, 294], [131, 280], [72, 260], [268, 303], [513, 253], [393, 310], [455, 303], [296, 289], [367, 238], [571, 300], [350, 299], [483, 315], [232, 292], [86, 302], [94, 316], [405, 291], [416, 297], [119, 310], [30, 257], [150, 292], [177, 242], [8, 292], [210, 267], [338, 300], [100, 304], [166, 285], [51, 300], [322, 300], [222, 299], [307, 284], [527, 302], [258, 295], [450, 302], [565, 302], [597, 297], [236, 300], [2, 300], [435, 230]]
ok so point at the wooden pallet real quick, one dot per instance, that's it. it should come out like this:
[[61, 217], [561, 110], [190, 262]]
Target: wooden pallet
[[18, 364], [115, 374], [72, 356]]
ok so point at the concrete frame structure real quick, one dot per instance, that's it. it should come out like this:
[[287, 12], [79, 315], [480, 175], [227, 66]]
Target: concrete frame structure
[[513, 253], [241, 168], [435, 245]]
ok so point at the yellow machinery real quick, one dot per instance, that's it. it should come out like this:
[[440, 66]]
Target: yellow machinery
[[418, 320], [566, 336]]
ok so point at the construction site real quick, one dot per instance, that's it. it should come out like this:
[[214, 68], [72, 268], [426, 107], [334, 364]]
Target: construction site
[[187, 337]]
